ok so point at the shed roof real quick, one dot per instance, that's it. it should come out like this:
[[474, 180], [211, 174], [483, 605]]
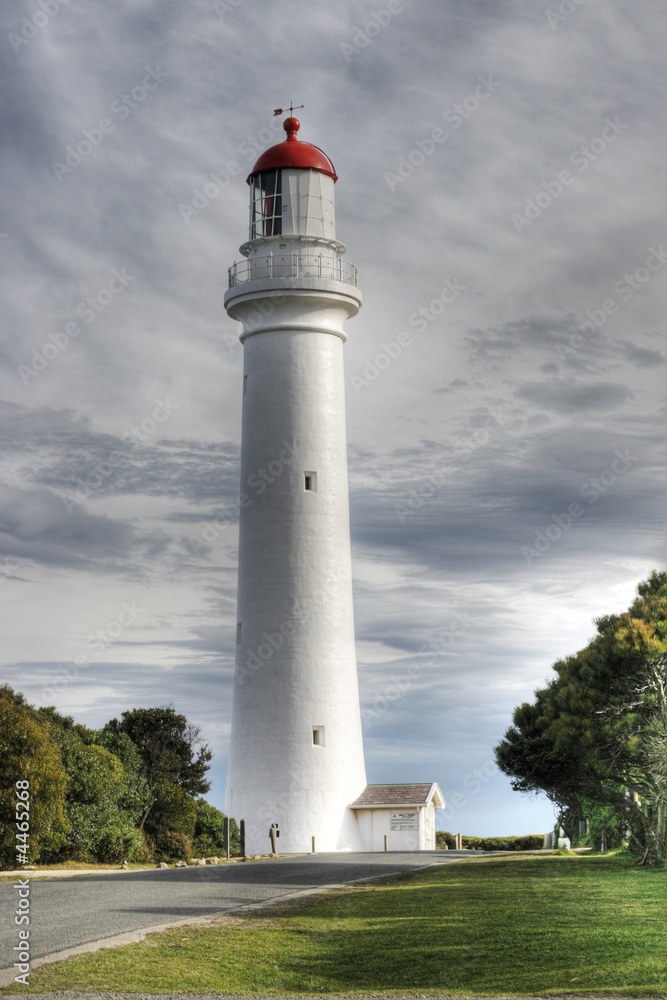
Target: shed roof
[[383, 796]]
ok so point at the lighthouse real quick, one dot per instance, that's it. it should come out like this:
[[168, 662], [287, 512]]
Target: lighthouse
[[296, 754]]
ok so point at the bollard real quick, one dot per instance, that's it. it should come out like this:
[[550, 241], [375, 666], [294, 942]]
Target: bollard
[[386, 842], [225, 835], [313, 850], [242, 838]]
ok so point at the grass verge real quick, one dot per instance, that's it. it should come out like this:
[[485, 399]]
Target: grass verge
[[512, 925]]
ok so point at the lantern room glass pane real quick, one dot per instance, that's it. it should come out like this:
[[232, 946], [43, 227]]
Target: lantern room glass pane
[[266, 205]]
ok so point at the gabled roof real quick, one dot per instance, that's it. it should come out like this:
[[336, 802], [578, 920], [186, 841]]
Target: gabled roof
[[388, 796]]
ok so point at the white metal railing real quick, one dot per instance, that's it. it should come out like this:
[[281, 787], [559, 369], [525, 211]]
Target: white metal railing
[[293, 265]]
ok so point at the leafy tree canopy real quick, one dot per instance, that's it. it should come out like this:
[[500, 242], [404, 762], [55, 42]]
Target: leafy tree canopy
[[597, 732], [28, 753], [171, 750]]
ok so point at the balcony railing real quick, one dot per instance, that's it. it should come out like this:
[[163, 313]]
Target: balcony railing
[[294, 265]]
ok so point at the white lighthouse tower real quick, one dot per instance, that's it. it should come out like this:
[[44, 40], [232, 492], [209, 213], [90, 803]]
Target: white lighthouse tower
[[296, 755]]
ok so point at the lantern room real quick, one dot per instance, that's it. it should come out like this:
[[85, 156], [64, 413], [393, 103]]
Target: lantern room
[[292, 191]]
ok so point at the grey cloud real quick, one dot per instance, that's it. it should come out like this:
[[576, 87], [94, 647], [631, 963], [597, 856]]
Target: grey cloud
[[642, 357], [563, 396]]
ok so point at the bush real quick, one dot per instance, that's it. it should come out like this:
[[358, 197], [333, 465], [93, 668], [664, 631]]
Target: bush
[[209, 831], [173, 811], [172, 846], [529, 842], [445, 839], [122, 844], [27, 753]]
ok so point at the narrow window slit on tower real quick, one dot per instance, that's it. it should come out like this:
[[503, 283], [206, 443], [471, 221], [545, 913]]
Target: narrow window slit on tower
[[318, 736], [310, 481], [238, 631], [245, 385]]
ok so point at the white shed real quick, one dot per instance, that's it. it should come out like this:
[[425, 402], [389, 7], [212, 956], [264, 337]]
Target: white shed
[[405, 814]]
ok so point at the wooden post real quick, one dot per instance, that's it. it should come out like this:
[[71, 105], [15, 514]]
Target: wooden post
[[274, 845], [225, 835], [242, 838], [313, 850], [386, 842]]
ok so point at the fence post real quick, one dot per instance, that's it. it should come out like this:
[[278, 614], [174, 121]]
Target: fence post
[[225, 835], [242, 838]]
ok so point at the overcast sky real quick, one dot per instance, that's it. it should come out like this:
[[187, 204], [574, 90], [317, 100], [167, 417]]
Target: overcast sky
[[501, 191]]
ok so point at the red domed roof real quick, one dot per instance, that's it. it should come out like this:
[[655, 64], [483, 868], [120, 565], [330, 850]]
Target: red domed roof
[[292, 153]]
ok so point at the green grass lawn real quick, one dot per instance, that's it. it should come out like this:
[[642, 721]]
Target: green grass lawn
[[513, 925]]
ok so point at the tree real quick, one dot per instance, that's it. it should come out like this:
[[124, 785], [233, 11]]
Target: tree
[[28, 754], [136, 795], [596, 734], [173, 810], [209, 831], [102, 828], [171, 751]]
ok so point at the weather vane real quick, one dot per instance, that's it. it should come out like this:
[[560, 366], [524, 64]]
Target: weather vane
[[282, 111]]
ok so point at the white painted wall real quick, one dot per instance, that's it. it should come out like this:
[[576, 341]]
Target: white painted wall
[[375, 823], [296, 662]]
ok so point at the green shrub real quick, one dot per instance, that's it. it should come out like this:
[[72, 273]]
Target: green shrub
[[529, 842], [209, 831], [172, 846], [122, 844], [445, 839]]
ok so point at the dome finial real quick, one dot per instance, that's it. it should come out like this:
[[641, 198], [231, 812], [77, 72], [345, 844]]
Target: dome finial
[[291, 124]]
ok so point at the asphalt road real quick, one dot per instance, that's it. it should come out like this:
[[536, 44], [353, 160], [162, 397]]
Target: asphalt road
[[67, 912]]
